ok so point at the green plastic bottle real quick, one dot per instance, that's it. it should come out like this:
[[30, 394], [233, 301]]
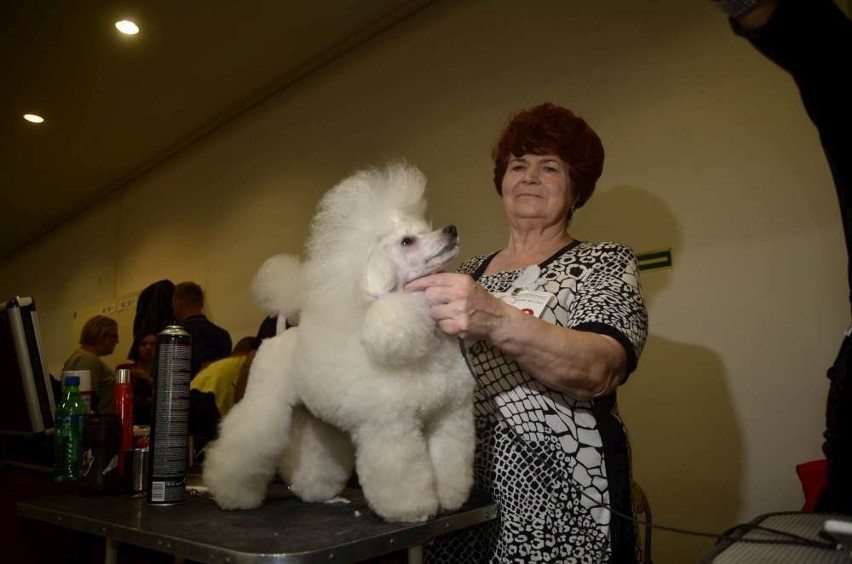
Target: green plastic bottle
[[68, 440]]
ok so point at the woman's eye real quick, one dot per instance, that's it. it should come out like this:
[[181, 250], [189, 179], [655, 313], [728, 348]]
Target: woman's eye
[[407, 241]]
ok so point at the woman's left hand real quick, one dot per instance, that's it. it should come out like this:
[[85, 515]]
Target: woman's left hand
[[459, 305]]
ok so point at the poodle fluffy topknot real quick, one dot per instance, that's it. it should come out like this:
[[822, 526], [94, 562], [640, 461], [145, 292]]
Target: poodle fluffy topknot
[[366, 379]]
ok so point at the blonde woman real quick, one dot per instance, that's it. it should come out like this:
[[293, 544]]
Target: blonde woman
[[98, 338]]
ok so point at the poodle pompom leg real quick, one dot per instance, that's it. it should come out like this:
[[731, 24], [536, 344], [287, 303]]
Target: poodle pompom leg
[[451, 438], [240, 464], [319, 460], [398, 330], [395, 472]]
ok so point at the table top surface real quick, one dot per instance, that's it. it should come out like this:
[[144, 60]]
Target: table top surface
[[781, 537], [285, 529]]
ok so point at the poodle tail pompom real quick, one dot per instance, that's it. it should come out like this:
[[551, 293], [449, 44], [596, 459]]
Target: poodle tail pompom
[[277, 286]]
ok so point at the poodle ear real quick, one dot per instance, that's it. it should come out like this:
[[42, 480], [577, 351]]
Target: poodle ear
[[379, 276]]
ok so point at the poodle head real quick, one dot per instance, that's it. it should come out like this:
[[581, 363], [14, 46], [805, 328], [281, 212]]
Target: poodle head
[[407, 253], [370, 235]]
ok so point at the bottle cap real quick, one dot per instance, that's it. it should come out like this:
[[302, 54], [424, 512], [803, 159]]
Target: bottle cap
[[85, 377], [72, 380], [122, 376]]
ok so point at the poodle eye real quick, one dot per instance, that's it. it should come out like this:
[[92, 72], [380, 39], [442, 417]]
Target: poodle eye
[[407, 241]]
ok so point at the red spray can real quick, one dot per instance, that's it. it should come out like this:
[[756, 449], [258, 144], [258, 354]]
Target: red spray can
[[124, 409]]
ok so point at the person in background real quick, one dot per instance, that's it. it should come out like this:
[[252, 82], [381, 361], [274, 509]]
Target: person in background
[[98, 338], [270, 326], [812, 41], [142, 375], [212, 391], [209, 341], [552, 326]]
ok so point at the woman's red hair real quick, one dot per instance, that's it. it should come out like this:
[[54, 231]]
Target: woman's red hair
[[548, 129]]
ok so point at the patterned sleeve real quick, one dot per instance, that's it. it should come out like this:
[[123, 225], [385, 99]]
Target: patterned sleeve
[[609, 301]]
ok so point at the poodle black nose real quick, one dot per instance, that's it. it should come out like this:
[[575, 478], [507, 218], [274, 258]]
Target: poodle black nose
[[451, 231]]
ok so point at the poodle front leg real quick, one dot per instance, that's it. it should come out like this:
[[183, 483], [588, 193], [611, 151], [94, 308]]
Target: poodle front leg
[[241, 463], [452, 439], [319, 460], [395, 471]]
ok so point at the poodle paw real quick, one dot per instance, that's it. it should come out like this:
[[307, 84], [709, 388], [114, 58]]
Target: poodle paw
[[233, 490], [416, 511], [450, 500], [316, 492], [237, 498]]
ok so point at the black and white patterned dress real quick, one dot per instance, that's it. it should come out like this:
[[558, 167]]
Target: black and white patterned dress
[[554, 465]]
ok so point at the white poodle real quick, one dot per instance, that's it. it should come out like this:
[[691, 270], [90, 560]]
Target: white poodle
[[366, 377]]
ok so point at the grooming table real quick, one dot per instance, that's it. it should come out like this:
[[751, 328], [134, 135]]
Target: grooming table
[[284, 530]]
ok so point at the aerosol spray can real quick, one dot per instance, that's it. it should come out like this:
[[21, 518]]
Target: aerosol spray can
[[169, 424]]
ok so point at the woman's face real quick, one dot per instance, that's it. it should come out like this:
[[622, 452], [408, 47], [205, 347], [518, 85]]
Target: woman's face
[[108, 343], [537, 188], [146, 348]]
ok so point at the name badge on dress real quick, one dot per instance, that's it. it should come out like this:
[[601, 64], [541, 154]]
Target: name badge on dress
[[528, 301], [521, 295]]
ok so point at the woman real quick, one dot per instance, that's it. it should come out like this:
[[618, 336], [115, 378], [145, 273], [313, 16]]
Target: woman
[[142, 375], [98, 338], [553, 326]]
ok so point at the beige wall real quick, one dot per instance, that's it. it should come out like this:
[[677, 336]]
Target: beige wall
[[708, 152]]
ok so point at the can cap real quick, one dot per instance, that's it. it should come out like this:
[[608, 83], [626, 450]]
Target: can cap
[[122, 376]]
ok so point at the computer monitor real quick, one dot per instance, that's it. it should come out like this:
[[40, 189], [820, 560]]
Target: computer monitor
[[27, 405]]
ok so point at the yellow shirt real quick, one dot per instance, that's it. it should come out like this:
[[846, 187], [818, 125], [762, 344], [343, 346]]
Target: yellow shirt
[[220, 378]]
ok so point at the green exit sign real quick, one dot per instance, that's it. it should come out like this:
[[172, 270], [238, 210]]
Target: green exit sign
[[655, 260]]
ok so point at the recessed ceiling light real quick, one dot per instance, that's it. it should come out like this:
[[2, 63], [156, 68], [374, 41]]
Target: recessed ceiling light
[[127, 27], [33, 118]]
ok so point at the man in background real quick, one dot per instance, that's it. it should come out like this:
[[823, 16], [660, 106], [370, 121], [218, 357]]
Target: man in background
[[209, 341], [812, 41]]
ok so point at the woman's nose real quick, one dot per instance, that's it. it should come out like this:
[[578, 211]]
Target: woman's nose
[[531, 176]]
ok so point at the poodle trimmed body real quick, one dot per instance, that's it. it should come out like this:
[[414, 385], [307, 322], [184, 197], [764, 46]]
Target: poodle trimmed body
[[366, 379]]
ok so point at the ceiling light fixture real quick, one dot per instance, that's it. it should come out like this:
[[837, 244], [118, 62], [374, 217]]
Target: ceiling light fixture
[[33, 118], [127, 27]]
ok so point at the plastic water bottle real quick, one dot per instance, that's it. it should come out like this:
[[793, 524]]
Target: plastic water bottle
[[68, 440]]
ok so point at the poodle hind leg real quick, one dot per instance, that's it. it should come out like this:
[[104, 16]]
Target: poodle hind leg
[[452, 439], [241, 462], [395, 472], [319, 460]]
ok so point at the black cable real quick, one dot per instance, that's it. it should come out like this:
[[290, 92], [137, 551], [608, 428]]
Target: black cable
[[731, 533]]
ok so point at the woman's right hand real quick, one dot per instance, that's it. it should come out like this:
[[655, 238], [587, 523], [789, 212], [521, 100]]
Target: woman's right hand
[[459, 305]]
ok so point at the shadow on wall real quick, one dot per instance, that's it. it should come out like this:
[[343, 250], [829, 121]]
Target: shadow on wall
[[684, 432]]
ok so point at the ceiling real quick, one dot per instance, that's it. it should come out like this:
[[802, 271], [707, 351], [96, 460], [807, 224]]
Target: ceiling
[[116, 105]]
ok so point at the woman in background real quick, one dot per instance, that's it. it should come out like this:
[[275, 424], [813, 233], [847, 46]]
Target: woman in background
[[98, 338], [142, 375]]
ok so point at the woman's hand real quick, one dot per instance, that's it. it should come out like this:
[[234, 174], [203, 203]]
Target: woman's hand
[[459, 305], [583, 365]]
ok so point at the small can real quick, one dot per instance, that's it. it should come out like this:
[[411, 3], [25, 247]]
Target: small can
[[135, 480], [170, 417]]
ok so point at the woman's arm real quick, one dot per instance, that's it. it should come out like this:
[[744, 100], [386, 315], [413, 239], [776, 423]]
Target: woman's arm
[[583, 364]]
